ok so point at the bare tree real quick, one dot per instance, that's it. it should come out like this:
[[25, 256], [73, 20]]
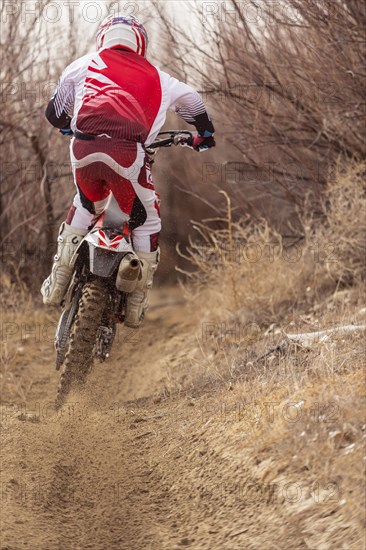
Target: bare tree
[[285, 84]]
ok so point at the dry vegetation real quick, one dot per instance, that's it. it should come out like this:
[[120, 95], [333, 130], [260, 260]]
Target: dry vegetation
[[284, 83], [247, 267], [294, 410], [283, 420], [288, 110]]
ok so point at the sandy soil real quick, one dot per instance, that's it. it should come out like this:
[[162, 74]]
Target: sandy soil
[[128, 465]]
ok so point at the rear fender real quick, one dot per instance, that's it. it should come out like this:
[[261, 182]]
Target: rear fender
[[101, 253], [103, 262]]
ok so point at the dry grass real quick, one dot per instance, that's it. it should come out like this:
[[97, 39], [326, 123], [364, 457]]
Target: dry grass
[[345, 230], [245, 271], [283, 425], [301, 408], [26, 333]]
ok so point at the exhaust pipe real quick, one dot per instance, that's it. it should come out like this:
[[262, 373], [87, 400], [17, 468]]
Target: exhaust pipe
[[128, 273]]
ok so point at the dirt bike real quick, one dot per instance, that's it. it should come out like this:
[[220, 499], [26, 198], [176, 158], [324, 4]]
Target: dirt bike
[[106, 270]]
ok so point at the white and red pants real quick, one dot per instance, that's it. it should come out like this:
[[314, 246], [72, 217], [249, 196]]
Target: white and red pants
[[105, 165]]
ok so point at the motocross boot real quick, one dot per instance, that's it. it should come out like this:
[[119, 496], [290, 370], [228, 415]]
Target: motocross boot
[[54, 287], [137, 301]]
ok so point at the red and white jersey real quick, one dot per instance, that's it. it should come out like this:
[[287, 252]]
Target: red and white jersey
[[122, 95]]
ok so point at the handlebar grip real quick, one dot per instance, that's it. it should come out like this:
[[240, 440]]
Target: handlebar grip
[[161, 143], [170, 141], [66, 132]]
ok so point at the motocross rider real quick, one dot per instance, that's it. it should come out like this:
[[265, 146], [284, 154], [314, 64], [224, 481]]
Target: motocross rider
[[114, 102]]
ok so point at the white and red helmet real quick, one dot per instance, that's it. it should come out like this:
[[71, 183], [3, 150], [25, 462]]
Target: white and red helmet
[[122, 30]]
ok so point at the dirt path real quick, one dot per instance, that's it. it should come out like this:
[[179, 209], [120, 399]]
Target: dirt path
[[129, 466], [81, 478]]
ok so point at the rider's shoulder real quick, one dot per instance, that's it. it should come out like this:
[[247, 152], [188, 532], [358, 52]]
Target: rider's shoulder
[[80, 63], [163, 74]]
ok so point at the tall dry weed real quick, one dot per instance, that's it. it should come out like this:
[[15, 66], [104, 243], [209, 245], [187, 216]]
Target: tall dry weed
[[246, 269], [345, 210]]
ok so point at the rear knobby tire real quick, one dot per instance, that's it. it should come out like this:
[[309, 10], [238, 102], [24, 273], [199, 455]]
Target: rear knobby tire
[[79, 357]]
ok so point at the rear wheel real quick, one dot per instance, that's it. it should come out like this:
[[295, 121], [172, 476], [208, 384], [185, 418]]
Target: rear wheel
[[79, 357]]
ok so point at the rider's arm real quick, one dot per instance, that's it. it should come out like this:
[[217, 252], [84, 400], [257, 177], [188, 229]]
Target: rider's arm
[[60, 108], [188, 104], [62, 102]]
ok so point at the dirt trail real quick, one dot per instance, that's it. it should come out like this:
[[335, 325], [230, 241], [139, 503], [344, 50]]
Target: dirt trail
[[80, 478], [123, 466]]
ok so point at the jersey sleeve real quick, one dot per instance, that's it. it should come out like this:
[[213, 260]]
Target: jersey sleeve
[[60, 108], [186, 102]]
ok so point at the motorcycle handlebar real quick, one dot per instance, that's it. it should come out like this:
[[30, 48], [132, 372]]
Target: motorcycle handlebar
[[175, 138], [180, 137]]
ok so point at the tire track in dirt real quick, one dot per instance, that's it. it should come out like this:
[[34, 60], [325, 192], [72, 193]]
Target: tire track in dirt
[[86, 488], [78, 479]]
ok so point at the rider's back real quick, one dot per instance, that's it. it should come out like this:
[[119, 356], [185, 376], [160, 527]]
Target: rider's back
[[121, 96]]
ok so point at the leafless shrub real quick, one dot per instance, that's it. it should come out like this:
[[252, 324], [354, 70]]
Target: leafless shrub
[[285, 84], [36, 180]]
